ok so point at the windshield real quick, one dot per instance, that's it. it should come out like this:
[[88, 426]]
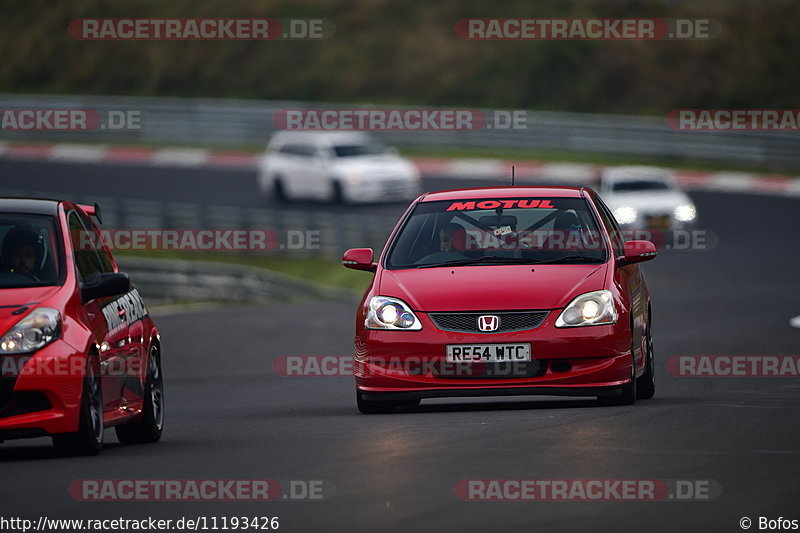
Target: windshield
[[497, 231], [355, 150], [640, 185], [28, 253]]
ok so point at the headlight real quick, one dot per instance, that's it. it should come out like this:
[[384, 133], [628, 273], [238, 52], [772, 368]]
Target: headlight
[[589, 309], [390, 313], [353, 177], [685, 213], [625, 214], [41, 327]]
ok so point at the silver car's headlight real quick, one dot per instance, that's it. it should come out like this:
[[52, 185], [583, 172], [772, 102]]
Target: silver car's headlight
[[625, 214], [391, 313], [685, 213], [590, 309], [38, 329]]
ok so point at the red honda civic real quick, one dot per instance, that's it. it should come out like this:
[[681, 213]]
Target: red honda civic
[[78, 350], [504, 291]]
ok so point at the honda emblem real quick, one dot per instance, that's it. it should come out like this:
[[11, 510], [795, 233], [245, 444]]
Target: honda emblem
[[488, 322]]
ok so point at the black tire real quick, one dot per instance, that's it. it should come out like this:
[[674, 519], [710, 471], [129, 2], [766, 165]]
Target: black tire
[[279, 190], [371, 407], [628, 395], [337, 196], [646, 385], [148, 428], [88, 440]]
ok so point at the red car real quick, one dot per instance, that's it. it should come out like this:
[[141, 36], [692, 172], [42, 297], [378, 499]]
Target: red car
[[78, 349], [504, 291]]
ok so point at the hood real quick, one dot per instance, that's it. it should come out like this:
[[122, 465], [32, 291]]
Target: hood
[[13, 299], [376, 166], [650, 202], [491, 287]]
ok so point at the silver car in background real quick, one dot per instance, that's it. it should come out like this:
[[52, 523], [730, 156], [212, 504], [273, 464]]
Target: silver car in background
[[342, 167], [646, 198]]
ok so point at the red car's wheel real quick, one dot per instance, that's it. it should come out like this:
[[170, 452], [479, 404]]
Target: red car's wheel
[[646, 385], [149, 427], [88, 440]]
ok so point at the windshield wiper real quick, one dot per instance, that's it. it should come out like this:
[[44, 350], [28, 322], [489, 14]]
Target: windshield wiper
[[485, 259], [571, 259]]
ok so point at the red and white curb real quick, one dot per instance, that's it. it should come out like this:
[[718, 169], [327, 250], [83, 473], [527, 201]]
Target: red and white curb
[[478, 169]]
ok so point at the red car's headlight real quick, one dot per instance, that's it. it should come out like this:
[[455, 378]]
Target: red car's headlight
[[38, 329], [385, 312], [589, 309]]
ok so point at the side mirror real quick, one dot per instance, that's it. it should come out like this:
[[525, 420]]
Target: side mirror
[[638, 252], [359, 259], [106, 284]]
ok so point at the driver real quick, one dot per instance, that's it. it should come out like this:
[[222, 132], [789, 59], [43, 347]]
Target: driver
[[446, 237], [23, 252]]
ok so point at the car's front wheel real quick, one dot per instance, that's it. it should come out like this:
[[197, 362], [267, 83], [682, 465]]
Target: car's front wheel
[[88, 440], [372, 407], [646, 385], [628, 394], [149, 427]]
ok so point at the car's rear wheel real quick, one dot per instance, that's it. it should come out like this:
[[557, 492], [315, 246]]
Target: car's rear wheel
[[337, 193], [88, 440], [148, 428], [646, 385], [279, 190], [372, 407]]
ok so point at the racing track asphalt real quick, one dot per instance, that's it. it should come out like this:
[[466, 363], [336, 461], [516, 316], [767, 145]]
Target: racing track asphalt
[[230, 416]]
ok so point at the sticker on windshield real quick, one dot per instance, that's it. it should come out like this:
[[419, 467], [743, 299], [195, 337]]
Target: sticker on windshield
[[525, 203], [502, 230]]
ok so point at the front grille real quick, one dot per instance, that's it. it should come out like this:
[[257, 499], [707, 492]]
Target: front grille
[[509, 321]]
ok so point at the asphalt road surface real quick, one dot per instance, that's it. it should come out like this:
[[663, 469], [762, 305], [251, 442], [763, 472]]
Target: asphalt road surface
[[230, 416]]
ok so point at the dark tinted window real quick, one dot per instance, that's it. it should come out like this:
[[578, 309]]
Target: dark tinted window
[[30, 254], [503, 230]]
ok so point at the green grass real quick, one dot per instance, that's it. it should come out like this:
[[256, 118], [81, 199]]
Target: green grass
[[318, 270], [563, 156]]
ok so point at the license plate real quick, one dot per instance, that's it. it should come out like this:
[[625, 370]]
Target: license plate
[[488, 353]]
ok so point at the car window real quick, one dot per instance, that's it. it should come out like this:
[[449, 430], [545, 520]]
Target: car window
[[302, 150], [86, 260], [356, 150], [639, 185], [106, 263], [501, 230], [30, 253], [614, 231]]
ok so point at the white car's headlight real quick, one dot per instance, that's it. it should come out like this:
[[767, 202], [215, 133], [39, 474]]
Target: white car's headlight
[[391, 313], [625, 214], [685, 213], [38, 329], [590, 309]]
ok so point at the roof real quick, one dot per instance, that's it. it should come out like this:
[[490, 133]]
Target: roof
[[636, 173], [317, 136], [31, 206], [504, 192]]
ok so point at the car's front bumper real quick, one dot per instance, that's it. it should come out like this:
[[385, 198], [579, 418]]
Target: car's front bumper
[[583, 361], [41, 394]]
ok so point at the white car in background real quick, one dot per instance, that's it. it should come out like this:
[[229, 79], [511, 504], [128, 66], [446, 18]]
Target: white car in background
[[646, 198], [344, 167]]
